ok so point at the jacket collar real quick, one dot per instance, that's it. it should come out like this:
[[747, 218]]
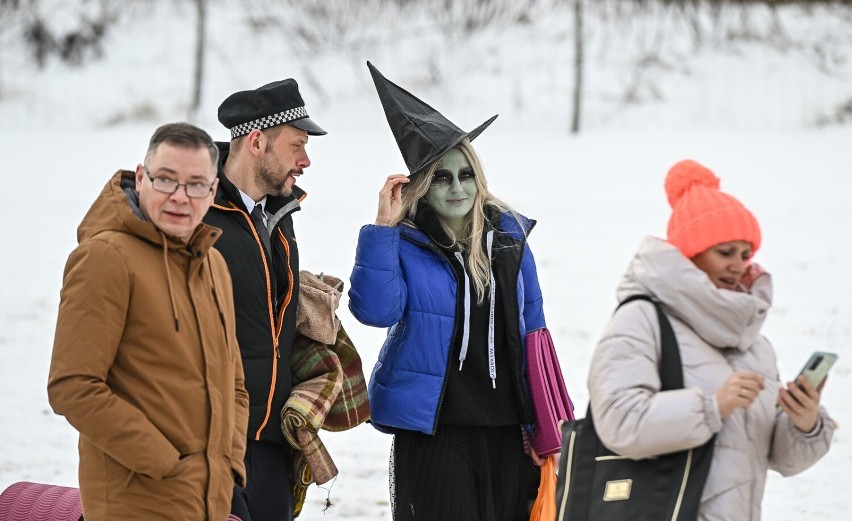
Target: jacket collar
[[426, 228], [722, 318]]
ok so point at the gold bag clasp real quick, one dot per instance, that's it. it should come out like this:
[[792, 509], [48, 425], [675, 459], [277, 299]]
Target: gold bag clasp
[[618, 490]]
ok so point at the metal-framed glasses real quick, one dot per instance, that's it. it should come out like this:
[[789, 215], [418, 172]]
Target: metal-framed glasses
[[167, 185]]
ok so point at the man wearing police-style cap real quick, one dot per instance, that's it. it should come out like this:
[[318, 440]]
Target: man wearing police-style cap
[[254, 207]]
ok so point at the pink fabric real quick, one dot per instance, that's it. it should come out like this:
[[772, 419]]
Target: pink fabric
[[549, 395], [26, 501]]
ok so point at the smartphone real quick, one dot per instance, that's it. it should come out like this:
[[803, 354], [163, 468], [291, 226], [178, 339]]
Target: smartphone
[[816, 369]]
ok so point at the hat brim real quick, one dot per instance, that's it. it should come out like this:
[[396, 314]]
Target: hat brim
[[473, 134], [308, 126]]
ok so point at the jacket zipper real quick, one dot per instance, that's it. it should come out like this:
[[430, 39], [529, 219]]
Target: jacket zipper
[[449, 356], [269, 300], [459, 311], [289, 295]]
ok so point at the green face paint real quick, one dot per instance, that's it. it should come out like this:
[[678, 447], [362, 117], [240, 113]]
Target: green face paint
[[453, 188]]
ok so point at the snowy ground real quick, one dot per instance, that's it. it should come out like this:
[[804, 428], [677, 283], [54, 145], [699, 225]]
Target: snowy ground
[[594, 196]]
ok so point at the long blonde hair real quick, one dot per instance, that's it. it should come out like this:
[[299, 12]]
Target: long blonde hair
[[474, 226]]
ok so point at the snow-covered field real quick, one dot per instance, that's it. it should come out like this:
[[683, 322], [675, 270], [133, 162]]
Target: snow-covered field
[[594, 196]]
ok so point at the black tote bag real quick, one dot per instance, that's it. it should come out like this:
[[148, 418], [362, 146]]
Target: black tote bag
[[595, 484]]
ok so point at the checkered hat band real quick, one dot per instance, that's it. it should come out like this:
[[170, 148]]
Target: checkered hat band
[[269, 121]]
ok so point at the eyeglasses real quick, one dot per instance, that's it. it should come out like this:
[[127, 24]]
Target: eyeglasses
[[444, 178], [167, 185]]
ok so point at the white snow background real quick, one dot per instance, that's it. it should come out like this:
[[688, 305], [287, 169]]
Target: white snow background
[[750, 100]]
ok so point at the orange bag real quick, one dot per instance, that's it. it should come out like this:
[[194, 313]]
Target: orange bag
[[544, 508]]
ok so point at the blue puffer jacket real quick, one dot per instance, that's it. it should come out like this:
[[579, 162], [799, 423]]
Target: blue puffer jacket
[[403, 281]]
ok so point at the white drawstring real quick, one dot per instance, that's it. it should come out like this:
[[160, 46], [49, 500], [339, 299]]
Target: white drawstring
[[492, 360], [492, 291], [466, 331]]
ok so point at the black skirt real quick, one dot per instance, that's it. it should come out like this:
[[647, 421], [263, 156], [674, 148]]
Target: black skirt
[[462, 473]]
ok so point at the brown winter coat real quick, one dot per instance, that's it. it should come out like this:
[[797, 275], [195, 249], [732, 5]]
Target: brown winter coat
[[147, 368]]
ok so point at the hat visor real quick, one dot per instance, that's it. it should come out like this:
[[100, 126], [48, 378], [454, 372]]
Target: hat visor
[[440, 153], [308, 126]]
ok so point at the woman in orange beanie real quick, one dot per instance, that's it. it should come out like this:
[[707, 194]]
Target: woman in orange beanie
[[716, 300]]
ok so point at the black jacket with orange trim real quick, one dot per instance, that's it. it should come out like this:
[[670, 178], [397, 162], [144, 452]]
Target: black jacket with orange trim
[[265, 294]]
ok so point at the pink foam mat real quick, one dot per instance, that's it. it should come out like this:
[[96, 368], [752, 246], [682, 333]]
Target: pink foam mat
[[27, 501]]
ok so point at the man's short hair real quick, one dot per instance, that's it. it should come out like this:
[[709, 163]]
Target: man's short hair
[[183, 135], [271, 134]]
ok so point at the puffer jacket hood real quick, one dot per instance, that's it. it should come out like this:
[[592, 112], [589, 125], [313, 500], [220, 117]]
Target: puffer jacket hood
[[720, 317]]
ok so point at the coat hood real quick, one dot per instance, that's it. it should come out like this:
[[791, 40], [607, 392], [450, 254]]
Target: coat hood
[[721, 317], [117, 209]]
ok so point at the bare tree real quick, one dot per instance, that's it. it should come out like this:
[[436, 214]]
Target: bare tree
[[578, 65], [200, 40], [8, 8]]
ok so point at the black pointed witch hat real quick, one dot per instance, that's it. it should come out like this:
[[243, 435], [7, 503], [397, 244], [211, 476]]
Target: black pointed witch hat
[[422, 133]]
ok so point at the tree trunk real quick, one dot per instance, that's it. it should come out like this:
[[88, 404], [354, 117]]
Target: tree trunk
[[1, 72], [200, 31], [578, 65]]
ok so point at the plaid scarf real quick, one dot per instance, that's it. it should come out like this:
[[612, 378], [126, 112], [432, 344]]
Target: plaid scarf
[[329, 390]]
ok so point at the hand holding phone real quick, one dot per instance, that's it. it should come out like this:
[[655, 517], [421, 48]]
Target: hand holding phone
[[817, 366], [801, 401]]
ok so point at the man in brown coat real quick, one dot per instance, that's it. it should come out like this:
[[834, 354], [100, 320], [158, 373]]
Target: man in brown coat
[[145, 361]]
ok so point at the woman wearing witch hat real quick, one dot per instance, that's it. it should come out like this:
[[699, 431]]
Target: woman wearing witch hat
[[447, 268]]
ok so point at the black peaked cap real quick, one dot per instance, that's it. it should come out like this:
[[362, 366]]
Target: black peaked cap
[[273, 104], [421, 132]]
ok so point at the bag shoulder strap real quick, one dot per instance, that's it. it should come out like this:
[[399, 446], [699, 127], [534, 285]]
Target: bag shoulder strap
[[671, 370]]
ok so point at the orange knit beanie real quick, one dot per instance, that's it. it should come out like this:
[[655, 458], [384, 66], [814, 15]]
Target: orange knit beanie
[[703, 216]]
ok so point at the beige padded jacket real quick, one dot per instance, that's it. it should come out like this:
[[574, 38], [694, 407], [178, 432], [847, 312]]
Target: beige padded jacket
[[719, 333]]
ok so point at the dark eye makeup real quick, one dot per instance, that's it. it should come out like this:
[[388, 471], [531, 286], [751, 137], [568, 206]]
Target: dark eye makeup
[[444, 177]]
